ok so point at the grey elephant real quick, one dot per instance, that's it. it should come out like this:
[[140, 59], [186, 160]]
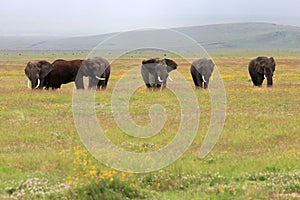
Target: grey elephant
[[98, 71], [155, 71], [201, 71], [261, 68]]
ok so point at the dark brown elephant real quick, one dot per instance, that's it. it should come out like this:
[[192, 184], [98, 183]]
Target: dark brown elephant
[[261, 68], [64, 72]]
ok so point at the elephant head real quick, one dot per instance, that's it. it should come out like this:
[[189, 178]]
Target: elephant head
[[155, 71], [36, 71], [97, 69]]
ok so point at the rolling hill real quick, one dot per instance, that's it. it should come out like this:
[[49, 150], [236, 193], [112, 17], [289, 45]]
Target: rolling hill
[[237, 36]]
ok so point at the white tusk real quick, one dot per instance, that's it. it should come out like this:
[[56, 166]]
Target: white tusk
[[170, 78], [38, 83], [203, 79], [265, 76], [101, 79], [159, 79], [28, 84]]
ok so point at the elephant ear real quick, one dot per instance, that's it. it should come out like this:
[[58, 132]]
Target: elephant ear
[[273, 64], [26, 70], [85, 66], [212, 64], [45, 68], [171, 65], [151, 60], [259, 65]]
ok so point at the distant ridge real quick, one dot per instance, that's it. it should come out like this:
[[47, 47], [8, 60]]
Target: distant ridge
[[237, 36], [245, 36]]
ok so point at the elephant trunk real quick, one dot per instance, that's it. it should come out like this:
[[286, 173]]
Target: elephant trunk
[[203, 79], [269, 81], [33, 85]]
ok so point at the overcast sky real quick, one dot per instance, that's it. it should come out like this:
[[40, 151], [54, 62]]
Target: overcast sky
[[89, 17]]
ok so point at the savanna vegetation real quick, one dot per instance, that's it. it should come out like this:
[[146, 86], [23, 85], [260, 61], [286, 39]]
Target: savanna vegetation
[[256, 157]]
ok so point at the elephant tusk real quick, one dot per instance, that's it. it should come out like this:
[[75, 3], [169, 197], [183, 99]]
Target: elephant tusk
[[159, 79], [170, 78], [28, 84], [203, 79], [101, 79], [265, 76], [38, 83]]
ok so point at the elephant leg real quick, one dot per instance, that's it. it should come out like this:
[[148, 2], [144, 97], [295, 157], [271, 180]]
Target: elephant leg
[[157, 84], [79, 82], [254, 79], [47, 85], [197, 80], [260, 79], [194, 76], [42, 84], [98, 85], [206, 84], [164, 84], [145, 75], [107, 74], [93, 83], [201, 81], [148, 85], [102, 84], [269, 81]]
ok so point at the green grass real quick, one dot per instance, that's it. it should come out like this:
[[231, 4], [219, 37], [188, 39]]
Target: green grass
[[256, 157]]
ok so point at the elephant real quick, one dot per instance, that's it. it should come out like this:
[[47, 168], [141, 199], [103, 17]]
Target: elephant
[[201, 71], [98, 70], [261, 68], [36, 72], [155, 71], [63, 72]]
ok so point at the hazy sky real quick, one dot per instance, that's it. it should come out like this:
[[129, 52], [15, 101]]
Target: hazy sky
[[89, 17]]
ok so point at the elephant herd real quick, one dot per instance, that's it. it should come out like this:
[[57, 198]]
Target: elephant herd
[[154, 71]]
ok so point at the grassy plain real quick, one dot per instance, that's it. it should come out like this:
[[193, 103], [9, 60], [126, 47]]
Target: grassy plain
[[256, 157]]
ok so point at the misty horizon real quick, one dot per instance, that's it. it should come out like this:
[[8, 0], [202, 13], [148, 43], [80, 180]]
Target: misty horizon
[[75, 18]]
